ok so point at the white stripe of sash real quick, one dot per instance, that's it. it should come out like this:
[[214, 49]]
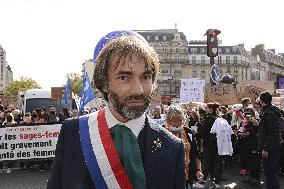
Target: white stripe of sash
[[100, 153]]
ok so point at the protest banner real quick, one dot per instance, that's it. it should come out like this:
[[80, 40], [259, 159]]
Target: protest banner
[[191, 90], [28, 142], [223, 94], [253, 92]]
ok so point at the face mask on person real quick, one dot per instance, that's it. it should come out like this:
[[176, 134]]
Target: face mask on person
[[175, 129], [52, 112]]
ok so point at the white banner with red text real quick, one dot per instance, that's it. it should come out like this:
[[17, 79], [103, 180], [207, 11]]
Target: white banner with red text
[[28, 142]]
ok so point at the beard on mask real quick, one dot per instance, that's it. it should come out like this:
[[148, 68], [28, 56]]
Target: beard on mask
[[131, 112]]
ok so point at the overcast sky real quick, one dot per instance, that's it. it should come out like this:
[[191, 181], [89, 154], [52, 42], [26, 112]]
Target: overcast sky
[[45, 39]]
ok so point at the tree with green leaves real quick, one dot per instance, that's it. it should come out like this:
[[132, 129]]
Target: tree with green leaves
[[22, 84], [76, 81]]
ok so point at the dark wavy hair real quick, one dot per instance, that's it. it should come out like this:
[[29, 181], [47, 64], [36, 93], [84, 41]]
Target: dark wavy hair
[[214, 106], [119, 49]]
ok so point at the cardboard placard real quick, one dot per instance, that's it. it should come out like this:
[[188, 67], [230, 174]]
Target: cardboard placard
[[57, 92], [253, 92], [223, 94]]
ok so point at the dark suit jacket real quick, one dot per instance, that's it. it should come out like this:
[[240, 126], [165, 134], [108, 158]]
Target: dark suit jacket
[[164, 167]]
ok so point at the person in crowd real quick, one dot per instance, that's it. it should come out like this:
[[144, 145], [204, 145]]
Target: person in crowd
[[27, 120], [17, 115], [9, 122], [247, 139], [39, 119], [281, 150], [53, 116], [65, 114], [250, 157], [158, 117], [43, 113], [211, 159], [175, 120], [144, 154], [269, 139], [202, 114], [2, 116], [74, 113], [246, 102]]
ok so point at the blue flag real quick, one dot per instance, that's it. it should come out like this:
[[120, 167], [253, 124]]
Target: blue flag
[[87, 93], [67, 91]]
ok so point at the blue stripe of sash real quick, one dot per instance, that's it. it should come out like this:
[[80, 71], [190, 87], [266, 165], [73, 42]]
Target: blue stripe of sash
[[89, 156]]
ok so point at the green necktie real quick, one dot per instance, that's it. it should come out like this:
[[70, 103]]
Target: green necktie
[[128, 150]]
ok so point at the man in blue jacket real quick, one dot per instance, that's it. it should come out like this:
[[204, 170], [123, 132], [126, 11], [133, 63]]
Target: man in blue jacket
[[119, 146]]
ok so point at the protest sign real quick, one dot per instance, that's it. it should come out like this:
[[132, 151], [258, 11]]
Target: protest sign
[[28, 142], [253, 92], [191, 90], [223, 94]]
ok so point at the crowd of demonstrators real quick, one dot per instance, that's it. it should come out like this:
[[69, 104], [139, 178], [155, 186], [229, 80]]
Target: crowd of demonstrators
[[221, 137], [11, 117]]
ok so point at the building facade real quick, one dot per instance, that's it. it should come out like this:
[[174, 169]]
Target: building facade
[[234, 60], [172, 47], [6, 73], [274, 62]]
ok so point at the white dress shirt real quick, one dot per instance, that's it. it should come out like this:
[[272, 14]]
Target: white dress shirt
[[136, 125]]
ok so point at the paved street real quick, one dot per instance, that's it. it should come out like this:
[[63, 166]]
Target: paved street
[[37, 180]]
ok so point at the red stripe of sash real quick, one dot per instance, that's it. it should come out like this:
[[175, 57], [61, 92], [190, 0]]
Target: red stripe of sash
[[112, 155]]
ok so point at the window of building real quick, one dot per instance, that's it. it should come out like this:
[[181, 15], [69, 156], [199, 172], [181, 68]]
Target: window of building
[[202, 59], [193, 50], [227, 50], [148, 38], [235, 69], [177, 50], [178, 59], [228, 69], [177, 37], [228, 59], [220, 50], [202, 69], [235, 59], [193, 58], [164, 38], [234, 49], [219, 59], [202, 50], [156, 38], [1, 85], [165, 71], [194, 69]]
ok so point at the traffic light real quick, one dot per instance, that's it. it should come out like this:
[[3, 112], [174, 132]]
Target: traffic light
[[212, 42]]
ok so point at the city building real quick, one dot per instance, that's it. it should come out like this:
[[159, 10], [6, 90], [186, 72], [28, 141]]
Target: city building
[[234, 60], [6, 73], [274, 62], [88, 67], [172, 47]]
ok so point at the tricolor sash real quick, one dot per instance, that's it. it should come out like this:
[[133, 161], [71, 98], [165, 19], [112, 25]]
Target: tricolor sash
[[101, 157]]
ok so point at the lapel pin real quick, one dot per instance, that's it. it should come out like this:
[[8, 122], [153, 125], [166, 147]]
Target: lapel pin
[[157, 144]]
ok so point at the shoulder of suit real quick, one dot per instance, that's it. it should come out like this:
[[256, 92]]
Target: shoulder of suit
[[163, 132]]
